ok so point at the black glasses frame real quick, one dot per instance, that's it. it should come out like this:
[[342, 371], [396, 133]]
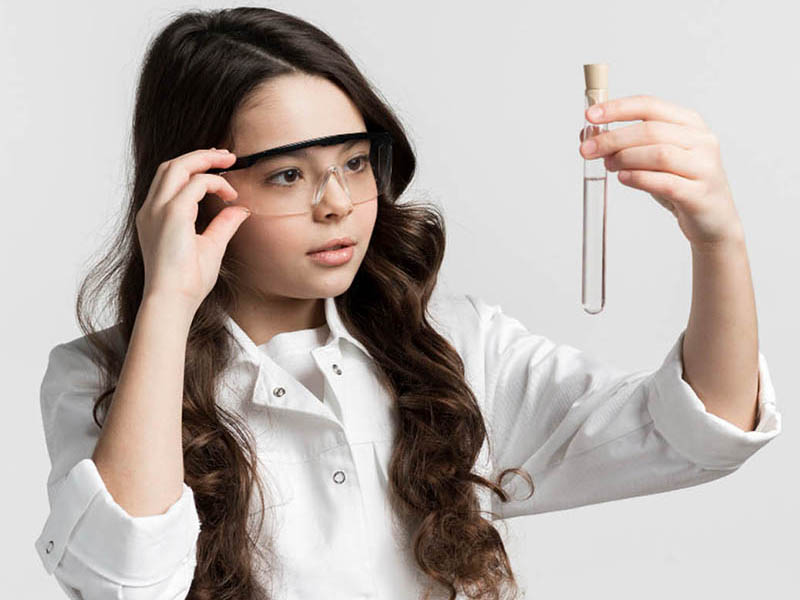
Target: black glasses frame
[[243, 162]]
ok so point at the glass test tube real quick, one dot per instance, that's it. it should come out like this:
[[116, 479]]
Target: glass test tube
[[593, 288]]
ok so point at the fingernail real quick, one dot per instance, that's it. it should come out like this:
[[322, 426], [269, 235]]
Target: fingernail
[[595, 112]]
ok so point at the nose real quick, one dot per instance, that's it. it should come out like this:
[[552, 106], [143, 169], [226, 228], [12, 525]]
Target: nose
[[335, 192]]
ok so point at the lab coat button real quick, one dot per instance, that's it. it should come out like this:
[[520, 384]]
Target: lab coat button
[[279, 391], [337, 370], [49, 546], [339, 477]]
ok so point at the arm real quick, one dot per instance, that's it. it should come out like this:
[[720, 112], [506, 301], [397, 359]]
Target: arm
[[720, 348], [95, 546], [139, 454], [674, 155], [589, 432]]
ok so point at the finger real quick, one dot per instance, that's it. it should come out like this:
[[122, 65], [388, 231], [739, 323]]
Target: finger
[[658, 157], [647, 108], [176, 173], [202, 184], [155, 184], [593, 129], [222, 227], [642, 134], [665, 185], [200, 151]]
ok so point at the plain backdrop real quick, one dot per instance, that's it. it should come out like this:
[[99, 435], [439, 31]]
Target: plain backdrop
[[492, 98]]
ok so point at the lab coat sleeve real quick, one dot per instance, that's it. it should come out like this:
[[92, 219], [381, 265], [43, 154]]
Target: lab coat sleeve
[[92, 546], [588, 432]]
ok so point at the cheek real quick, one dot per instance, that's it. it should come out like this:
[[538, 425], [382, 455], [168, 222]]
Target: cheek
[[259, 239], [365, 216]]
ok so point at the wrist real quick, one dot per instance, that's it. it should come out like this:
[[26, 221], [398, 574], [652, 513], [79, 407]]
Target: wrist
[[179, 309], [731, 241]]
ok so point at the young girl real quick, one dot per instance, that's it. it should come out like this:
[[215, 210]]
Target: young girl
[[266, 421]]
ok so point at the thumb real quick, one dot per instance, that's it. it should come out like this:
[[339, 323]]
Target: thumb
[[225, 224]]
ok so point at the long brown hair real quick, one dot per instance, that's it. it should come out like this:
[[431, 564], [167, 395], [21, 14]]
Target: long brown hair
[[195, 74]]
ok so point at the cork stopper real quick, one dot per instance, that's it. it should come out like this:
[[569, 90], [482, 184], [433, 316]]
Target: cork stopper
[[596, 77]]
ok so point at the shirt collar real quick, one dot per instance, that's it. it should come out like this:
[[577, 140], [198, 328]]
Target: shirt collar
[[335, 324]]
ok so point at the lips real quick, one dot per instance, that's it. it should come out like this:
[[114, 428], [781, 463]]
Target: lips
[[333, 244]]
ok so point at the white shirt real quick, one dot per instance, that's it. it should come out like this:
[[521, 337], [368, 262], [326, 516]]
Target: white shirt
[[586, 432]]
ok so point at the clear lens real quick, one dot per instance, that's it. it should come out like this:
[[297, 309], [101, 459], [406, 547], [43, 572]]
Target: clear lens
[[295, 183]]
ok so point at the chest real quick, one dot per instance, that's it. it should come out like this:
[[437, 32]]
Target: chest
[[324, 466]]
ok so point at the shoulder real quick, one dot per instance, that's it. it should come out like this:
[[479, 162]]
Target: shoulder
[[71, 364], [488, 339], [453, 314], [467, 320], [71, 384], [81, 345]]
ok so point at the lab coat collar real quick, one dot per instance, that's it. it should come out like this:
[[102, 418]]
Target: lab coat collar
[[335, 324], [257, 377]]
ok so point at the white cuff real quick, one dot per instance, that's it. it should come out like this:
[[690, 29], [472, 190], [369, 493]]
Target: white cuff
[[127, 550], [704, 438]]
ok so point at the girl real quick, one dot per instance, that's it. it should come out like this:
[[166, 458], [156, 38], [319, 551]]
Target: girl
[[267, 421]]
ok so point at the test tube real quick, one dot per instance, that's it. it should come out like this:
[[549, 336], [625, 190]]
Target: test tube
[[593, 288]]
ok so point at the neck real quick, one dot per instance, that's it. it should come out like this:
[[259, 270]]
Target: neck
[[262, 319]]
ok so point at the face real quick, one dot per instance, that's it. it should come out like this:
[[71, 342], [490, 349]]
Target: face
[[288, 109]]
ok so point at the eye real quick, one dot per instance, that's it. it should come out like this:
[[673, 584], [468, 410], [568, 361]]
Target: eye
[[360, 162], [274, 177]]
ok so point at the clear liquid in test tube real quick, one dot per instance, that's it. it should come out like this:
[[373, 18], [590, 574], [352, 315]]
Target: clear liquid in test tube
[[593, 283]]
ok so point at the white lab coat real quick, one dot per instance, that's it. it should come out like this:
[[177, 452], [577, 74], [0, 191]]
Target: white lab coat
[[586, 432]]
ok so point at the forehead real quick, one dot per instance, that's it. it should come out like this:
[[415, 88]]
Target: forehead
[[292, 108]]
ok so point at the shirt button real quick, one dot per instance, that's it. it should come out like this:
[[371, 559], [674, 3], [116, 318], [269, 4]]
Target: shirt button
[[278, 391], [337, 370], [49, 546], [339, 477]]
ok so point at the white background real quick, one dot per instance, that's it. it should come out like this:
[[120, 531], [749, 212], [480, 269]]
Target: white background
[[492, 99]]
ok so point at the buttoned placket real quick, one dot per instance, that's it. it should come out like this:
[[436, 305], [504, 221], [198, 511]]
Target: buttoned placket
[[344, 473], [276, 388]]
